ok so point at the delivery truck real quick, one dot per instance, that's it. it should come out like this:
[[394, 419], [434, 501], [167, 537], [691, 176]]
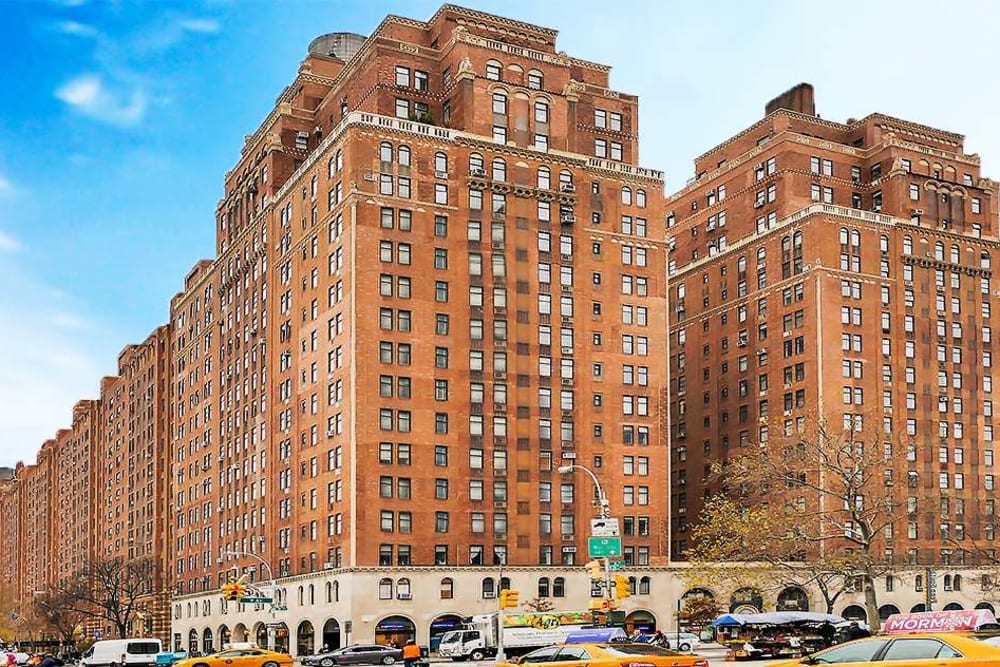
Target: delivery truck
[[522, 632]]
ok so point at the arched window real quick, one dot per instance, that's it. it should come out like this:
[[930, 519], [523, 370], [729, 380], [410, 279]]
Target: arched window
[[499, 169], [843, 236], [541, 112], [329, 591], [340, 160], [947, 582], [907, 245], [918, 582], [505, 583], [447, 588], [984, 260], [627, 195], [543, 587], [558, 587], [939, 251], [855, 238], [761, 255], [404, 156], [385, 589], [565, 178], [536, 80], [956, 582], [385, 152], [883, 243], [544, 180], [640, 198], [493, 70], [500, 103], [489, 588], [441, 164], [476, 165], [403, 589], [645, 585], [336, 591], [312, 594], [632, 584], [301, 597], [954, 254], [331, 167]]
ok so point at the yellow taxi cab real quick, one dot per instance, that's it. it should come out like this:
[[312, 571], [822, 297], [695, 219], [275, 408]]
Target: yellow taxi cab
[[239, 657], [917, 649], [608, 654]]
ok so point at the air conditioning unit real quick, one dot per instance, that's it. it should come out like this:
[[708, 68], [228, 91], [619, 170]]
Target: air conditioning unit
[[330, 433], [500, 504], [477, 171], [404, 596], [497, 245], [369, 176], [441, 174], [566, 382], [567, 218], [328, 565], [567, 187], [916, 212]]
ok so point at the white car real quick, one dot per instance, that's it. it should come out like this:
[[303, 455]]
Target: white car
[[682, 641]]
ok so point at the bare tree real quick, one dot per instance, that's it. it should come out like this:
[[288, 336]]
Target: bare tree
[[57, 611], [811, 507], [114, 590], [538, 605], [8, 612]]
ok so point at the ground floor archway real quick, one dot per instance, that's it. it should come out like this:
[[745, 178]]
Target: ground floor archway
[[746, 601], [953, 606], [240, 633], [986, 605], [442, 624], [331, 634], [640, 619], [887, 610], [260, 635], [225, 636], [305, 639], [395, 630], [281, 638], [792, 598], [207, 641], [855, 612], [917, 608], [192, 641]]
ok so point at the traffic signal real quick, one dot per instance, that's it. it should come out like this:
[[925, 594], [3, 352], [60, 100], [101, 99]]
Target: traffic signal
[[595, 570], [233, 590], [622, 587], [509, 599]]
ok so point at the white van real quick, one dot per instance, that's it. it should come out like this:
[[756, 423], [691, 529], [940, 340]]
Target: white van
[[121, 653]]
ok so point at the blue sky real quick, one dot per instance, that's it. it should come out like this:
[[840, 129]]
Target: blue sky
[[119, 119]]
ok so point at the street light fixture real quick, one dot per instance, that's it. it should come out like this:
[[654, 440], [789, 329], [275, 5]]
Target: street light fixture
[[601, 498]]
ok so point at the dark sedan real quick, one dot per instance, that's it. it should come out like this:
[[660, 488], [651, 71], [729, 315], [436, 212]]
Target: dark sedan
[[358, 654]]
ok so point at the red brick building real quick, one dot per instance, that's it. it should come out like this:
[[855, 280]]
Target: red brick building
[[846, 269], [440, 275]]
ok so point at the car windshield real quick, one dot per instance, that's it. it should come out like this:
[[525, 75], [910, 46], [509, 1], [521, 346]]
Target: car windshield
[[451, 637], [636, 649], [143, 648]]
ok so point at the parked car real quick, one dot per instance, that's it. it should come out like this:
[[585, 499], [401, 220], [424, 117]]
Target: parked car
[[941, 649], [682, 641], [138, 652], [252, 657], [357, 654], [608, 655]]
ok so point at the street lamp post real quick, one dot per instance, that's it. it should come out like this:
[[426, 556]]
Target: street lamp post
[[605, 513], [271, 640]]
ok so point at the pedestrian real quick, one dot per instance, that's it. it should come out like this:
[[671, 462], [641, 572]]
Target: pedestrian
[[325, 649], [411, 653], [855, 631]]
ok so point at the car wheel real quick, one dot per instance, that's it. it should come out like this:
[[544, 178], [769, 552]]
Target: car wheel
[[269, 663], [477, 655], [388, 660], [685, 647], [326, 662], [205, 664]]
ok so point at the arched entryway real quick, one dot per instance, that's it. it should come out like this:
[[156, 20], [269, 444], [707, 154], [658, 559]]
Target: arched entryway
[[331, 634], [953, 606], [640, 619], [887, 610], [305, 639], [207, 642], [855, 612], [917, 608], [281, 638], [698, 608], [793, 598], [192, 641], [746, 601], [225, 636], [395, 629], [986, 605], [442, 624], [240, 633], [260, 635]]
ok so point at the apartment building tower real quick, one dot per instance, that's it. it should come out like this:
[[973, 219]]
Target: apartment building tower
[[440, 277], [842, 269]]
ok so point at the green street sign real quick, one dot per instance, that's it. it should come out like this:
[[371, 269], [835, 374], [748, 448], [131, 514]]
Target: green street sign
[[604, 547], [260, 600], [616, 565]]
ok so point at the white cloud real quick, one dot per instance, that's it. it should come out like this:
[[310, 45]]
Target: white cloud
[[78, 29], [90, 96], [69, 321], [206, 26], [5, 186], [8, 242]]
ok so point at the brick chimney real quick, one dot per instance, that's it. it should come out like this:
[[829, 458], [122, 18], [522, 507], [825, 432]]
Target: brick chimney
[[799, 99]]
